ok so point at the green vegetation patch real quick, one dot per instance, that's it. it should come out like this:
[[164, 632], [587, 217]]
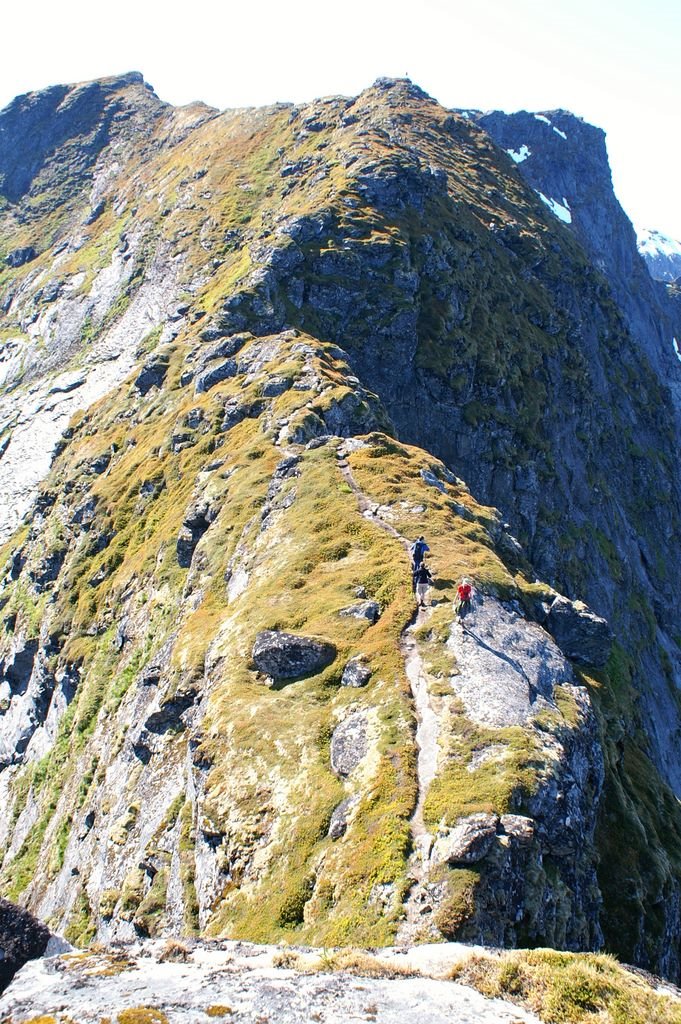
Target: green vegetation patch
[[569, 988]]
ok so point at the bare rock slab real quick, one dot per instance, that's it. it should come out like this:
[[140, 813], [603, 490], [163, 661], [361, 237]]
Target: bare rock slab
[[509, 667]]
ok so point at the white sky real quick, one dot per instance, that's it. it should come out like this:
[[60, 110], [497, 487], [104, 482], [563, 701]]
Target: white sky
[[614, 62]]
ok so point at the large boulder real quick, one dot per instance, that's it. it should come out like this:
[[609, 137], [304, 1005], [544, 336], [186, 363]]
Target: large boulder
[[22, 938], [580, 634], [17, 257], [287, 656]]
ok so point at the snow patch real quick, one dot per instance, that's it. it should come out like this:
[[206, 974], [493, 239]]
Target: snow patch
[[519, 155], [655, 243], [676, 349], [545, 120], [560, 210]]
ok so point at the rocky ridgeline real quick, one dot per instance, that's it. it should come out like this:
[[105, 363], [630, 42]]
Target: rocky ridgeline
[[157, 982], [297, 349]]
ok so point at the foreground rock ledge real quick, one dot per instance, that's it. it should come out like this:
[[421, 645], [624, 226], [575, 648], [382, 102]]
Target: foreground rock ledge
[[185, 983]]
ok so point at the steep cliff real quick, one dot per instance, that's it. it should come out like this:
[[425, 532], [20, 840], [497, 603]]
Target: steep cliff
[[302, 328]]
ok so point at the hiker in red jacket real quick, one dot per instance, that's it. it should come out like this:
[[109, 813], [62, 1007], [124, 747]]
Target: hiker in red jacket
[[462, 601]]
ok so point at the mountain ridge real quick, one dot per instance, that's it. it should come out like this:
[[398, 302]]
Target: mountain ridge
[[370, 287]]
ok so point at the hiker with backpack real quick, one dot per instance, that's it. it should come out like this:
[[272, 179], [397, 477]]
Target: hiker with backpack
[[418, 552], [462, 601], [422, 582]]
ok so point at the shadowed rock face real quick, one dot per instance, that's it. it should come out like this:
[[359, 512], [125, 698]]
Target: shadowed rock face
[[35, 127], [583, 636], [22, 938]]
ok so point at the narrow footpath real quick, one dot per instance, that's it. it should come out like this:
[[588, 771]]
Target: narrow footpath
[[416, 926]]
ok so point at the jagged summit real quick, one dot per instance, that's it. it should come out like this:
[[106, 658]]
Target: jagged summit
[[247, 357]]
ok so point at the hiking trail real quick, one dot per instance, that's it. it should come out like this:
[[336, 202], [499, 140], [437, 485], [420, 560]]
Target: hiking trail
[[419, 903]]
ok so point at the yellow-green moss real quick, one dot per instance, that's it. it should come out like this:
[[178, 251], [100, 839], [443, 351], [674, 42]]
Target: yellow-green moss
[[142, 1015]]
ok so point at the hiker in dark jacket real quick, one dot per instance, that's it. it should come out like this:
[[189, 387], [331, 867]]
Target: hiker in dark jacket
[[418, 552], [422, 582]]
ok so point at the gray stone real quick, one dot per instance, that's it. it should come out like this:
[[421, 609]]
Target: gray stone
[[275, 385], [17, 257], [356, 673], [209, 378], [153, 374], [287, 656], [48, 568], [349, 743], [432, 480], [508, 667], [370, 610], [198, 518], [468, 842], [339, 819]]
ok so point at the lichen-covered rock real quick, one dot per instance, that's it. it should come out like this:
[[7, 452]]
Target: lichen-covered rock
[[287, 656], [349, 743], [519, 827], [356, 673]]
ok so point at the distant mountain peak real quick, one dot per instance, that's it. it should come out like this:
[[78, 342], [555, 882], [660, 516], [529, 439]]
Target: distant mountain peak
[[661, 253]]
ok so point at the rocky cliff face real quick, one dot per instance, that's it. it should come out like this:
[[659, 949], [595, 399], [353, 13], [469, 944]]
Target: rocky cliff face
[[248, 356]]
